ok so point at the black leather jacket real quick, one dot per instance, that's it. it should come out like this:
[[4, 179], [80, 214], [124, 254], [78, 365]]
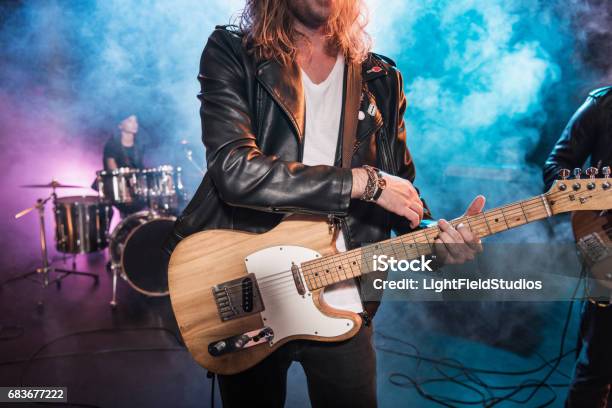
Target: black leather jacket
[[588, 133], [252, 114]]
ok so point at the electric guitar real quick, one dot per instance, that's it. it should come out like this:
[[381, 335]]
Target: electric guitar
[[238, 296], [593, 233]]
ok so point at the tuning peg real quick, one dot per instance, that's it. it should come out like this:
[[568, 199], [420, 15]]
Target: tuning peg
[[591, 172], [564, 174], [577, 172], [606, 173]]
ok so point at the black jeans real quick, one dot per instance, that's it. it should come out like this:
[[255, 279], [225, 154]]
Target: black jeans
[[590, 386], [338, 374]]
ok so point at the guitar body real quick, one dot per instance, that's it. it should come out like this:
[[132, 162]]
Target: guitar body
[[225, 284], [593, 233]]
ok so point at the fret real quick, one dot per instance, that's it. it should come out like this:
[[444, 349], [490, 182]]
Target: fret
[[343, 267], [497, 227], [324, 272], [319, 276], [523, 210], [501, 209], [476, 225], [484, 216], [352, 266], [358, 259], [467, 220], [414, 250], [398, 248], [307, 274], [431, 249], [407, 254], [435, 232], [332, 275], [416, 245], [519, 218], [337, 269]]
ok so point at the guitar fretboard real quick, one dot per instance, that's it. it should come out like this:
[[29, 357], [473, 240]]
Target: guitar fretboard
[[322, 272]]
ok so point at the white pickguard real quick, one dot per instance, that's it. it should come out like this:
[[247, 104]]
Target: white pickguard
[[287, 312]]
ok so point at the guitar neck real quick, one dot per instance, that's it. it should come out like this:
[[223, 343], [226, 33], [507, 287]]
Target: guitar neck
[[329, 270]]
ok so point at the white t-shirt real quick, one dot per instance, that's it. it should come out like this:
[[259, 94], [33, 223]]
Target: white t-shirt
[[323, 111]]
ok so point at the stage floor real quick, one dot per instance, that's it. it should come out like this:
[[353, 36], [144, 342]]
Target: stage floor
[[132, 356]]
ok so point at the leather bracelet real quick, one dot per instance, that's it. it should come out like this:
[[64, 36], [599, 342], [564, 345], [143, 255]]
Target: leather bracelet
[[380, 186], [375, 185], [370, 188]]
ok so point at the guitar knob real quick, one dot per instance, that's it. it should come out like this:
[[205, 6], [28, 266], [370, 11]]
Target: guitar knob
[[564, 174], [592, 172], [577, 172]]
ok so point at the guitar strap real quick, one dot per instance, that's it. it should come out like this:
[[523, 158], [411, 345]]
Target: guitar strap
[[349, 137], [351, 109]]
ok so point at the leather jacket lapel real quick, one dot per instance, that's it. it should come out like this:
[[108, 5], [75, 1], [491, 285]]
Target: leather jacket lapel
[[370, 117], [284, 84]]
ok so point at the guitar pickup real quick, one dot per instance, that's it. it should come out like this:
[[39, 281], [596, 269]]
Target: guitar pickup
[[238, 298]]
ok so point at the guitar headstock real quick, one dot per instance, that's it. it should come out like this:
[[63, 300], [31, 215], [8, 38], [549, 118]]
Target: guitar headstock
[[580, 194]]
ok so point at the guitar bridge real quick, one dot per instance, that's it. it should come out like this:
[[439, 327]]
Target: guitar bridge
[[593, 248], [238, 298]]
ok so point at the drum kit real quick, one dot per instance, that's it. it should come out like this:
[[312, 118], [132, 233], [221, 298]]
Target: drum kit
[[149, 199]]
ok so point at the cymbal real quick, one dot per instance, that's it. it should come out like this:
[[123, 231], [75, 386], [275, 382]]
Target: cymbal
[[52, 184]]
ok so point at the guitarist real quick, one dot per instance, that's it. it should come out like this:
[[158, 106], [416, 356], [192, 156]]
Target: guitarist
[[589, 134], [281, 138]]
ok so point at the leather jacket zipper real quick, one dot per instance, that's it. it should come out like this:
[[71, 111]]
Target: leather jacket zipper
[[386, 161]]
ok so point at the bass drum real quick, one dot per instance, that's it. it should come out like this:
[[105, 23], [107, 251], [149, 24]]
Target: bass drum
[[136, 251]]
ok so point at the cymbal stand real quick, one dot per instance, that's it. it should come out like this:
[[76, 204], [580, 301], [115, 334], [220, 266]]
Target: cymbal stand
[[189, 155], [46, 269]]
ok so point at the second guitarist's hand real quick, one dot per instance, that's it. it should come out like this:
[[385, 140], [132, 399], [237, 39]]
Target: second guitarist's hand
[[454, 245]]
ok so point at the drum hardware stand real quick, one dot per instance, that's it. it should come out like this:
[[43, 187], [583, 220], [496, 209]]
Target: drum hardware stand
[[189, 155], [115, 270], [46, 269]]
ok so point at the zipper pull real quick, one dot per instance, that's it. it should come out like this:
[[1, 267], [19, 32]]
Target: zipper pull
[[331, 224]]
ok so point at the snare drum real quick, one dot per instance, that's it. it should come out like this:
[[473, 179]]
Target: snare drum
[[136, 251], [120, 186], [81, 224]]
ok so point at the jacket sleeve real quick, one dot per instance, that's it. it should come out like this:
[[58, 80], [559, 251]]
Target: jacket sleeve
[[242, 174], [575, 143], [404, 163]]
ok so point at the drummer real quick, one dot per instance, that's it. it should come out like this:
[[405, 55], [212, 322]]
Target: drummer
[[122, 150]]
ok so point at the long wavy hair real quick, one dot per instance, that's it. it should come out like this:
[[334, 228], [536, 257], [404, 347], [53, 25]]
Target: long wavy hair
[[270, 32]]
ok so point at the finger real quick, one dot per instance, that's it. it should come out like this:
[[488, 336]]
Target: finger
[[412, 216], [455, 242], [455, 249], [442, 253], [445, 226], [476, 206], [469, 238], [417, 208]]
